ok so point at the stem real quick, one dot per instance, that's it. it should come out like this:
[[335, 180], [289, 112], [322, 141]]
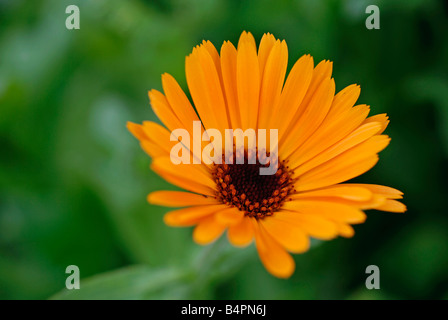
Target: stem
[[216, 262]]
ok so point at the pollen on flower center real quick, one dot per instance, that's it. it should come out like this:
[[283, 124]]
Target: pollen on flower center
[[242, 186]]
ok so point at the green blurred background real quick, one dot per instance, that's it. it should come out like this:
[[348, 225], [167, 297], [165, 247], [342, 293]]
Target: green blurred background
[[73, 180]]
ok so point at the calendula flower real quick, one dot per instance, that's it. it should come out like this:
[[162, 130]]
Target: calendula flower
[[324, 139]]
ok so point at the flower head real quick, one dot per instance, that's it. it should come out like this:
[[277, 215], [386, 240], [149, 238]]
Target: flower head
[[323, 140]]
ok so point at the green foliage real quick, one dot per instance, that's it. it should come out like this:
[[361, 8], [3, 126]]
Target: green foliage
[[129, 283], [73, 181]]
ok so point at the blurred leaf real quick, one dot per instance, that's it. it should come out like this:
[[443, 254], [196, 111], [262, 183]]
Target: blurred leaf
[[433, 89], [131, 283], [414, 261], [374, 294]]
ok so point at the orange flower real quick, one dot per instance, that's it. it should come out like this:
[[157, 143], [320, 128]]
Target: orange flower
[[323, 140]]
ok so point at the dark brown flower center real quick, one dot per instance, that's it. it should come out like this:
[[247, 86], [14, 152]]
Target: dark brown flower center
[[242, 186]]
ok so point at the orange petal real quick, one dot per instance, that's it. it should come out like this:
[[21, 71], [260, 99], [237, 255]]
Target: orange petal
[[384, 191], [329, 134], [179, 199], [136, 130], [162, 137], [314, 113], [358, 136], [186, 176], [208, 230], [190, 216], [344, 191], [374, 202], [343, 101], [294, 91], [392, 206], [179, 102], [154, 139], [157, 137], [288, 235], [203, 84], [345, 230], [382, 118], [313, 224], [345, 173], [322, 71], [229, 216], [273, 256], [248, 82], [228, 67], [241, 234], [214, 54], [320, 74], [247, 37], [154, 150], [266, 44], [329, 210], [155, 132], [213, 89], [345, 166], [272, 83], [163, 110]]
